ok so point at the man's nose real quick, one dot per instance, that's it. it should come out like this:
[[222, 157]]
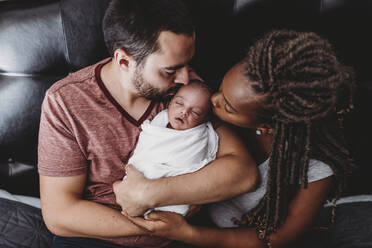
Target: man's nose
[[182, 76]]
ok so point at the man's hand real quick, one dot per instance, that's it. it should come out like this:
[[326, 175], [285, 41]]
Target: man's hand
[[132, 193], [164, 224]]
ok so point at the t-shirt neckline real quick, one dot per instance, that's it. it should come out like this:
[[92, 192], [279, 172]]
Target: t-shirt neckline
[[107, 93]]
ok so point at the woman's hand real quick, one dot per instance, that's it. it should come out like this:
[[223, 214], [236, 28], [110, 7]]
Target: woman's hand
[[132, 193], [164, 224]]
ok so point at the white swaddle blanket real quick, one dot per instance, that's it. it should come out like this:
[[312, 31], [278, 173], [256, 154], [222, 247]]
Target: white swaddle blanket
[[165, 152]]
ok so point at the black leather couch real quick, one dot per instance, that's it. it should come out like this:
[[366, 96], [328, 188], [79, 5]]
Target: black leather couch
[[43, 41]]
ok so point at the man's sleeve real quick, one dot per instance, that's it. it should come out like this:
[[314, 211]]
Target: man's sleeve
[[59, 153]]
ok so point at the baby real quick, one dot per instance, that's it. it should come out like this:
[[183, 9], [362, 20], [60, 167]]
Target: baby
[[179, 139]]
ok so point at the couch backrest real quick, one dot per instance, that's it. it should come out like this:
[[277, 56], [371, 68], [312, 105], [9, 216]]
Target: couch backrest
[[43, 41], [40, 43]]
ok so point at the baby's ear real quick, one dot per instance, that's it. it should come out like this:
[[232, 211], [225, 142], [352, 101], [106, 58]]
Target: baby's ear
[[168, 100], [209, 115]]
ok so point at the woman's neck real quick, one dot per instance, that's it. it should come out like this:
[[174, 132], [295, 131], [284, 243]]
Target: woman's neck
[[258, 145]]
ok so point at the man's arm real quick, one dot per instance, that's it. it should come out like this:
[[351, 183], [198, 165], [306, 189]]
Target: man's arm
[[233, 172], [66, 214], [59, 154]]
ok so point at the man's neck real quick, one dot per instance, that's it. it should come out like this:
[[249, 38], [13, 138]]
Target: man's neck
[[122, 90]]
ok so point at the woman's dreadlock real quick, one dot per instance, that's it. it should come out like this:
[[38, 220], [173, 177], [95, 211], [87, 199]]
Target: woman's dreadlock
[[306, 86]]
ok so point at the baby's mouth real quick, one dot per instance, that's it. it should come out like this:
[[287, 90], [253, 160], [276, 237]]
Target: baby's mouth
[[179, 120]]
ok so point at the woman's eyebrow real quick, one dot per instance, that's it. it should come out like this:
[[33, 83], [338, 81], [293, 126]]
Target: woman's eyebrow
[[228, 103]]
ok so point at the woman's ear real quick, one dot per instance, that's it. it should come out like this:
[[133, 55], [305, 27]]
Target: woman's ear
[[264, 129]]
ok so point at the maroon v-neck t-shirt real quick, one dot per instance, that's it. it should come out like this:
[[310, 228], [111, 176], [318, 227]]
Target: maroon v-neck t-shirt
[[84, 130]]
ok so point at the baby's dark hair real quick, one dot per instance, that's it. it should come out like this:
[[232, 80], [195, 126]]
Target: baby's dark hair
[[306, 86], [135, 25], [204, 86]]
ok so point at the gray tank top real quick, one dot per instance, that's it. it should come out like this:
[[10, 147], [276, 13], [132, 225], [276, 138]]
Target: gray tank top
[[222, 212]]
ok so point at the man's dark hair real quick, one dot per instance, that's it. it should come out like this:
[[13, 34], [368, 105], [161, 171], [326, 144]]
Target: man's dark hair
[[306, 88], [135, 25]]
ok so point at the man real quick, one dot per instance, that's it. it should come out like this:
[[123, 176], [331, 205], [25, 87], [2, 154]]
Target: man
[[90, 123]]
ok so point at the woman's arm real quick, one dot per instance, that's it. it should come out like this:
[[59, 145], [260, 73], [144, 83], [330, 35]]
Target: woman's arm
[[233, 172], [302, 211]]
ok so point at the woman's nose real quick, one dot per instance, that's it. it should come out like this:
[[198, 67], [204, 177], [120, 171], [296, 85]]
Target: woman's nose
[[215, 100]]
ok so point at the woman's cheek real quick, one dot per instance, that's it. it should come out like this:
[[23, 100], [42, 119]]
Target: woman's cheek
[[221, 115]]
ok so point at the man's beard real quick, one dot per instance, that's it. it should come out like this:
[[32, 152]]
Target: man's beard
[[148, 91]]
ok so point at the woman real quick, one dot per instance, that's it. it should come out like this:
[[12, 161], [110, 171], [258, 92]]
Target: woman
[[288, 94]]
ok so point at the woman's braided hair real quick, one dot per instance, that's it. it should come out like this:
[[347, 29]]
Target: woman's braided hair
[[306, 86]]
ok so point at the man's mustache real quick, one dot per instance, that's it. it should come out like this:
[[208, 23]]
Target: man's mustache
[[172, 91]]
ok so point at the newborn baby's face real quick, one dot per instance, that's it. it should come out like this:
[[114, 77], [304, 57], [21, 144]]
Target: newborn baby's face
[[189, 107]]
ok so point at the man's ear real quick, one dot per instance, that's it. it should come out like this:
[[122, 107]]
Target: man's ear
[[122, 59], [265, 129]]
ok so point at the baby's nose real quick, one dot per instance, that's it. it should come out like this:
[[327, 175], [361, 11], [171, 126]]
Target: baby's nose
[[184, 112]]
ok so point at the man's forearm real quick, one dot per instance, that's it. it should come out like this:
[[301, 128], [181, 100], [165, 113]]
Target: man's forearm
[[88, 219], [224, 178]]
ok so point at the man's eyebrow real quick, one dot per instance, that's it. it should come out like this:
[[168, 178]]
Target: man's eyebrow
[[175, 67], [228, 103]]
